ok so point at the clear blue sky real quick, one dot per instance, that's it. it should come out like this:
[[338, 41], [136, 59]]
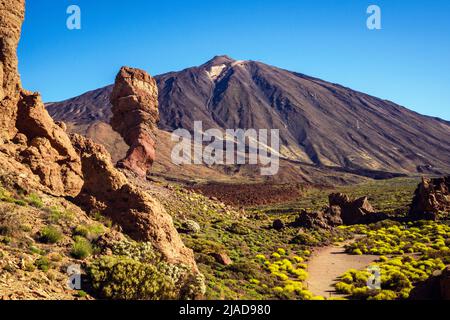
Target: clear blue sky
[[408, 61]]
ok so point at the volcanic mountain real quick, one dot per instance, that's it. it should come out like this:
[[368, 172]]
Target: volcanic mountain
[[324, 127]]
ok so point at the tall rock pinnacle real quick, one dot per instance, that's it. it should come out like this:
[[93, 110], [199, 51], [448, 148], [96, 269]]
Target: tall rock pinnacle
[[11, 18], [135, 117], [32, 146]]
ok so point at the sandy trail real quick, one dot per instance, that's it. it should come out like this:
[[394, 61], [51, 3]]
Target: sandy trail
[[327, 264]]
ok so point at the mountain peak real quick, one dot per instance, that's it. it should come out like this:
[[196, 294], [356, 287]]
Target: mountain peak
[[218, 60]]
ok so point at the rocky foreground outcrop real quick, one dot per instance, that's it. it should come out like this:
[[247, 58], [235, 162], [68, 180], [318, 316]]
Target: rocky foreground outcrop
[[36, 154], [106, 190], [30, 142], [134, 102], [432, 197]]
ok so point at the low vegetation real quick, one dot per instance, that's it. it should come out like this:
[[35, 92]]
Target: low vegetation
[[390, 238], [50, 235], [81, 248], [409, 254], [239, 252], [398, 277]]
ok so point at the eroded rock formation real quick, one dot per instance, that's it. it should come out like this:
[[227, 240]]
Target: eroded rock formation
[[37, 154], [358, 211], [135, 116], [106, 190], [29, 138], [11, 17], [341, 211], [327, 219], [432, 197]]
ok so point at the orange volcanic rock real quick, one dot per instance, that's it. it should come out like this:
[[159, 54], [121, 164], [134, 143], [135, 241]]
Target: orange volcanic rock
[[107, 190], [11, 18], [135, 116], [28, 134]]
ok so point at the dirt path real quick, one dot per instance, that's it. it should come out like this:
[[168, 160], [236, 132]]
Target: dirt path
[[328, 263]]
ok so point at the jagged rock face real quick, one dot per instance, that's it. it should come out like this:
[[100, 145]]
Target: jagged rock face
[[358, 211], [135, 116], [431, 198], [341, 211], [107, 190], [320, 219], [49, 152], [27, 132], [11, 18]]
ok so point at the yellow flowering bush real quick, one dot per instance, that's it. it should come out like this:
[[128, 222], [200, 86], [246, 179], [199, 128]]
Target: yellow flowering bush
[[288, 274], [398, 276], [417, 237]]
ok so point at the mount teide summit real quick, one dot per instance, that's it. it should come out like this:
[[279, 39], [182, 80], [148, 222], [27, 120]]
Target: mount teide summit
[[322, 125]]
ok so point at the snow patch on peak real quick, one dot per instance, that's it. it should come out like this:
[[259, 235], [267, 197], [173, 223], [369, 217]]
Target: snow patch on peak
[[215, 71]]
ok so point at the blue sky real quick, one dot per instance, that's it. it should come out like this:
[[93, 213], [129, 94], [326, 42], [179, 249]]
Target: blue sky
[[408, 61]]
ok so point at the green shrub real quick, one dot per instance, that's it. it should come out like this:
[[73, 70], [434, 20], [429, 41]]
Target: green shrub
[[5, 240], [50, 234], [97, 216], [91, 232], [81, 249], [238, 229], [43, 264], [140, 251], [81, 294], [123, 278], [247, 269], [4, 194], [204, 246], [305, 239], [190, 227], [29, 267], [20, 202], [56, 215], [36, 250], [35, 201]]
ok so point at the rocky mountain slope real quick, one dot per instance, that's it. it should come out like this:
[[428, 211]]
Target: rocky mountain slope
[[321, 124]]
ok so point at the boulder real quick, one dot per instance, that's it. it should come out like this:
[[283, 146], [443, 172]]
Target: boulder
[[135, 117], [221, 258], [327, 219], [190, 227], [432, 197], [358, 211], [278, 225], [106, 190]]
